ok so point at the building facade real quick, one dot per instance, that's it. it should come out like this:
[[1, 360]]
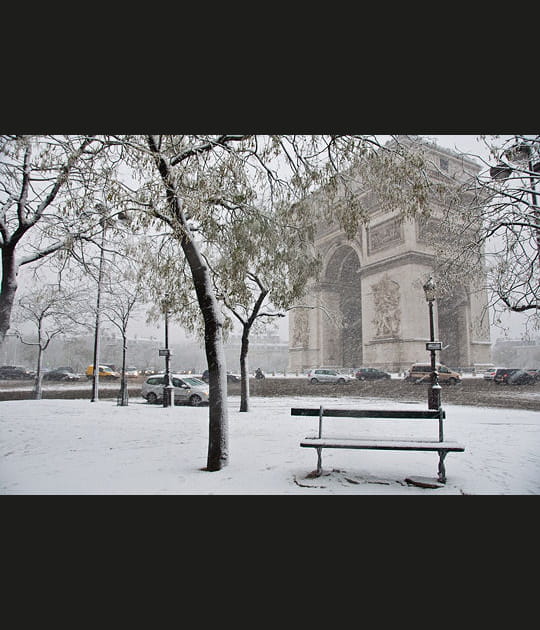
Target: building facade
[[368, 306]]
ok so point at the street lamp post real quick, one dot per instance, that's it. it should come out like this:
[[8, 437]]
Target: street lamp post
[[104, 222], [95, 375], [168, 389], [434, 395]]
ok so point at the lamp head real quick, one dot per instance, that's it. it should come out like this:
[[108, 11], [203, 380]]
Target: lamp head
[[429, 289]]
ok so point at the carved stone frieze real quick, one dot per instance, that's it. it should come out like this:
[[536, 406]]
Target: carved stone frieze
[[386, 301], [386, 234]]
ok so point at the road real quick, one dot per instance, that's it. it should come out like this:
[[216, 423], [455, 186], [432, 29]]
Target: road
[[472, 391]]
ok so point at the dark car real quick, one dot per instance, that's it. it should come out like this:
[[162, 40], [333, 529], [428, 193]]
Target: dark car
[[367, 374], [231, 378], [503, 374], [521, 377], [15, 372], [60, 374]]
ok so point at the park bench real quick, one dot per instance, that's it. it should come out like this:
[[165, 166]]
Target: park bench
[[440, 445]]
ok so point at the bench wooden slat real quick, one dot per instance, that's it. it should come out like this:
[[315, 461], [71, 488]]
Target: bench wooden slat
[[389, 414], [386, 444]]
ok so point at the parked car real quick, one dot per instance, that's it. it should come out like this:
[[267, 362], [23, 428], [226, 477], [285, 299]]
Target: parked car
[[15, 372], [534, 372], [187, 389], [489, 374], [421, 372], [521, 377], [328, 376], [105, 372], [503, 374], [60, 374], [369, 374]]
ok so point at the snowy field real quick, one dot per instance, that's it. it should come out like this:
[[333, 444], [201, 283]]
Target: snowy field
[[79, 447]]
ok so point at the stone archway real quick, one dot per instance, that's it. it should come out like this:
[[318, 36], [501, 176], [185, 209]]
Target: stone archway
[[341, 294]]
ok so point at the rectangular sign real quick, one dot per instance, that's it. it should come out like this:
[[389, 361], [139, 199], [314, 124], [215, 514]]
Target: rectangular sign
[[434, 345], [165, 352]]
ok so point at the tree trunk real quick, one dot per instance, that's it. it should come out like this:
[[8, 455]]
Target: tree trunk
[[123, 380], [218, 434], [8, 289], [39, 376], [244, 372]]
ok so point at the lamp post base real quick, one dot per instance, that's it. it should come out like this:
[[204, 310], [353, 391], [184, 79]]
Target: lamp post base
[[434, 397], [168, 396]]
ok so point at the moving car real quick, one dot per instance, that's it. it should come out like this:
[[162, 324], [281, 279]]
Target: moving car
[[132, 372], [187, 389], [503, 374], [231, 378], [104, 372], [15, 372], [323, 375], [421, 372], [367, 374], [60, 374], [521, 377]]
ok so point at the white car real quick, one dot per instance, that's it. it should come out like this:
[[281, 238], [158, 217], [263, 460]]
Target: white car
[[187, 389], [323, 375]]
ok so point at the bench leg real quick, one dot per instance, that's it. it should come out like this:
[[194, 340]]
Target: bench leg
[[442, 470], [319, 462]]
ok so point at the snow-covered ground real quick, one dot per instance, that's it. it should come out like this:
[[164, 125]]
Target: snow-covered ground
[[75, 446]]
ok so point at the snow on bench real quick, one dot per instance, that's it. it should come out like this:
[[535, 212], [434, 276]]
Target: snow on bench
[[440, 445]]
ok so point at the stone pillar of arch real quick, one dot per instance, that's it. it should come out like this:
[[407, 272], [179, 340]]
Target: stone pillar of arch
[[454, 315]]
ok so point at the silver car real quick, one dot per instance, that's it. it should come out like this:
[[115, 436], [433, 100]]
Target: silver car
[[328, 376], [187, 389]]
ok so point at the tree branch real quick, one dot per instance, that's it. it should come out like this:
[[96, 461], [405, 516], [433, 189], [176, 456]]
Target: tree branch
[[222, 141]]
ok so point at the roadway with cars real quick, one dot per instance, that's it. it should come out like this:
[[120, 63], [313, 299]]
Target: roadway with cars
[[474, 391]]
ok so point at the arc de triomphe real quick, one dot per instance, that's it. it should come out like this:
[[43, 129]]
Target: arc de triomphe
[[368, 306]]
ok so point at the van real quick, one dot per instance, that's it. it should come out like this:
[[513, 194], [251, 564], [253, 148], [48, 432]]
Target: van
[[104, 372], [422, 372]]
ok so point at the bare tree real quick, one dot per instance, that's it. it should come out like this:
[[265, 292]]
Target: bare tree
[[490, 236], [122, 296], [511, 223], [53, 312], [45, 183]]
